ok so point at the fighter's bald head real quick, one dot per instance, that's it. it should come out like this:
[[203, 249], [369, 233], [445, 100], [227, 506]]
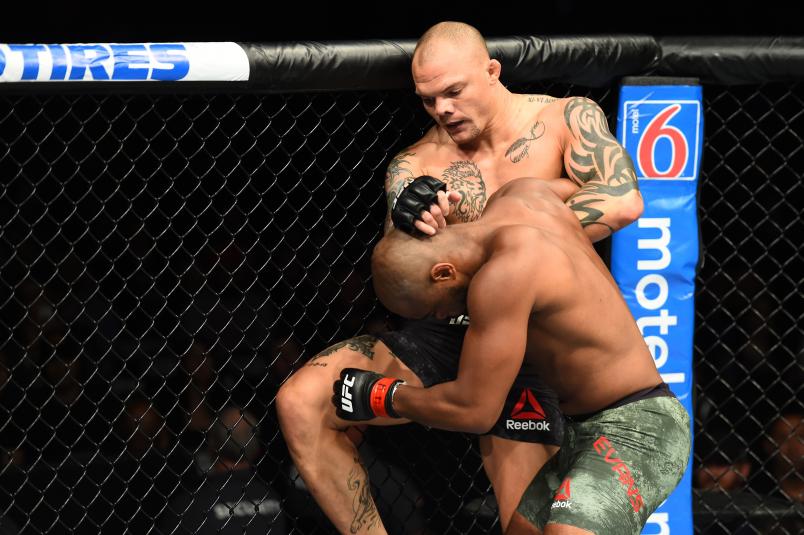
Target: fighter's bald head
[[450, 35], [401, 268]]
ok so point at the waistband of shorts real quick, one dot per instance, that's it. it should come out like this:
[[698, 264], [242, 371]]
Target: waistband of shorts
[[659, 391]]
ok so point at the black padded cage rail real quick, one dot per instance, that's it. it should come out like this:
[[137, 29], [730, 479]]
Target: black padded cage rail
[[171, 252]]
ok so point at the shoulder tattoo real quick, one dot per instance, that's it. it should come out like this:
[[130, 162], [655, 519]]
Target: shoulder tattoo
[[596, 158]]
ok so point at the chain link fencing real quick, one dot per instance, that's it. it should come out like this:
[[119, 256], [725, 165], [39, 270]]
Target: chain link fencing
[[168, 260]]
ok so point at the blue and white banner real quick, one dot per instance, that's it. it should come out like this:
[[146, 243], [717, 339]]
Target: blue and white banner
[[654, 260], [129, 62]]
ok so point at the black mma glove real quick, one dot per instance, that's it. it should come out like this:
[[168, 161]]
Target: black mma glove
[[414, 199], [363, 395]]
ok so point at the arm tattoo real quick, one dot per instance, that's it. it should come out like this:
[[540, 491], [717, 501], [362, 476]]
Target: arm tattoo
[[361, 344], [465, 177], [362, 503], [592, 214], [597, 162], [398, 175], [519, 148], [596, 156]]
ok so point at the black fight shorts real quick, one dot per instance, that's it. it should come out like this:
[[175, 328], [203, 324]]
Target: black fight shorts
[[432, 348]]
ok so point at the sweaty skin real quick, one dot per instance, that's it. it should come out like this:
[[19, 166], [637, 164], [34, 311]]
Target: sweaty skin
[[538, 295], [483, 137], [535, 290]]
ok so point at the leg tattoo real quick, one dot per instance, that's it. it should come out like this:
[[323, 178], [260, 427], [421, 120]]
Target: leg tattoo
[[362, 503]]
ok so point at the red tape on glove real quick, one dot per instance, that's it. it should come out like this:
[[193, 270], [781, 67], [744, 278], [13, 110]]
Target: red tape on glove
[[377, 396]]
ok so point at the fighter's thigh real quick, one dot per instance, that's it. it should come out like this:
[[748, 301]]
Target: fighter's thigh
[[311, 385], [511, 466], [538, 496], [625, 462], [526, 458], [595, 498]]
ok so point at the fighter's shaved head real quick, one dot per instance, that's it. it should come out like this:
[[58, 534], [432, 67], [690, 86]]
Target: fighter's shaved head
[[452, 34], [401, 269], [401, 266]]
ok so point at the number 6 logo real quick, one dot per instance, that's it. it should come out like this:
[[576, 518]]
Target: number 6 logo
[[656, 130]]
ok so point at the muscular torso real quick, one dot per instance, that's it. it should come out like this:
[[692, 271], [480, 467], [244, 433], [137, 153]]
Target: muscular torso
[[582, 339], [536, 150], [584, 342]]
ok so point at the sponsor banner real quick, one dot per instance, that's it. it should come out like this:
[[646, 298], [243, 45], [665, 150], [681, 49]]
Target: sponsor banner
[[123, 62], [654, 260]]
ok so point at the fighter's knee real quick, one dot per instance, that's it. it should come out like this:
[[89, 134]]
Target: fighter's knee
[[303, 395], [285, 399], [305, 398]]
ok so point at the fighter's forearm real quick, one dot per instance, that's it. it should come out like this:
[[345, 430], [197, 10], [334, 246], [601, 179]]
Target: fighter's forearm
[[601, 215], [443, 406]]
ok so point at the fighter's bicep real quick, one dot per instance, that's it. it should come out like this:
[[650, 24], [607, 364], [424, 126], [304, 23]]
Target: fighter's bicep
[[401, 171], [592, 153], [494, 346], [489, 364]]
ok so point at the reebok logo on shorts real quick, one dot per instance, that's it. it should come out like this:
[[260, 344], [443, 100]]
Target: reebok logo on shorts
[[529, 409], [562, 497]]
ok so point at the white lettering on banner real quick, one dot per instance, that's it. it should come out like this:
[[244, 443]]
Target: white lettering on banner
[[660, 519], [101, 61], [641, 294], [660, 243], [656, 281], [123, 62]]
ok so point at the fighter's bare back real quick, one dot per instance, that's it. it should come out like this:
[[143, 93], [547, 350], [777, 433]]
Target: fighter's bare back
[[589, 362]]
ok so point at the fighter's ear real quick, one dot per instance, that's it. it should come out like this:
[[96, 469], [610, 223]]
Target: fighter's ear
[[494, 68], [443, 271]]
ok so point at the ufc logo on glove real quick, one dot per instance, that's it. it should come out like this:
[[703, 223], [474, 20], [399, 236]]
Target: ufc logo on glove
[[346, 394], [363, 395]]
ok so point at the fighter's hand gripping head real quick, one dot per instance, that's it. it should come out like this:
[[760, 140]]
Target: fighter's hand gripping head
[[414, 199]]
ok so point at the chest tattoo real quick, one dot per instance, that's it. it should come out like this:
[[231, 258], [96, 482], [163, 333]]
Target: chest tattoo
[[465, 177], [519, 148]]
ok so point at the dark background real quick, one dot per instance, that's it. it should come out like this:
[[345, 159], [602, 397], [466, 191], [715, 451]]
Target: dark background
[[266, 21]]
